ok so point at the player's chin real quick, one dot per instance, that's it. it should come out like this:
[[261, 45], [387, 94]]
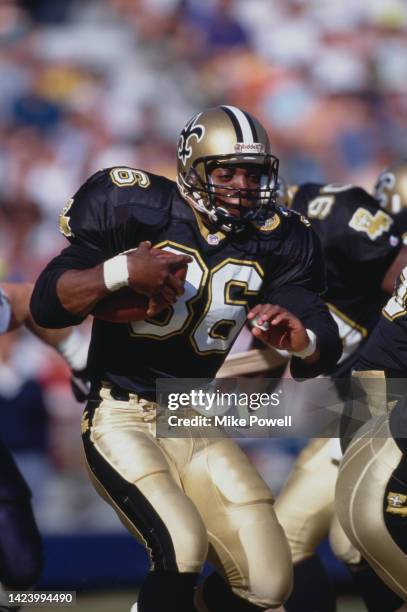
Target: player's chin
[[235, 209], [232, 209]]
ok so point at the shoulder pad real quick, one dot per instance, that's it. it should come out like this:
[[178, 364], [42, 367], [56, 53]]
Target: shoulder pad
[[336, 187], [114, 196], [130, 186], [350, 195], [308, 190]]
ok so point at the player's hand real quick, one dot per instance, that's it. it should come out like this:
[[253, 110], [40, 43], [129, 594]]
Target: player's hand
[[166, 297], [284, 330], [158, 303], [150, 274]]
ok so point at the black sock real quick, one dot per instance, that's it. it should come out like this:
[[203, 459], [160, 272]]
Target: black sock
[[219, 597], [313, 590], [168, 592], [378, 597]]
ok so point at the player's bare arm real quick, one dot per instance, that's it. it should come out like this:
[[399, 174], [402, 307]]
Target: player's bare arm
[[80, 290], [18, 295], [66, 341], [281, 330]]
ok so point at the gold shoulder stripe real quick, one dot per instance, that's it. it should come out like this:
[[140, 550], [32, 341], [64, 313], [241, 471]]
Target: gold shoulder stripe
[[270, 224], [64, 219]]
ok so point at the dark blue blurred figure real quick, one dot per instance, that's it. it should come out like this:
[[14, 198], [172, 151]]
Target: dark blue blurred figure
[[33, 111], [47, 11], [20, 542], [220, 29], [23, 427]]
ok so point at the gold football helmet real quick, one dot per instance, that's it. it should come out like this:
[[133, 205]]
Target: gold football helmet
[[225, 135], [391, 188]]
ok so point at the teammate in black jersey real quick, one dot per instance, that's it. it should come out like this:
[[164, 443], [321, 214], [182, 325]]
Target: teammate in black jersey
[[371, 492], [361, 243], [242, 254]]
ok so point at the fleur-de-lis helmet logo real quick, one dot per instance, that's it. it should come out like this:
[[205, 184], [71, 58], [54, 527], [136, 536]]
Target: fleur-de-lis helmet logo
[[191, 130]]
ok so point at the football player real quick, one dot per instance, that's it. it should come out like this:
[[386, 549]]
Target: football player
[[363, 257], [243, 254], [20, 542], [371, 490]]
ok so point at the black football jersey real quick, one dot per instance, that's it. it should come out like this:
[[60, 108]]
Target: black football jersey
[[386, 348], [280, 262], [359, 244]]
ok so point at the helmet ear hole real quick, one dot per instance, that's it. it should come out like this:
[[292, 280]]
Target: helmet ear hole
[[192, 177]]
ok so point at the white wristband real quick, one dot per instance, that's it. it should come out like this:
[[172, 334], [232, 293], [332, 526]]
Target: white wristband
[[115, 273], [310, 349]]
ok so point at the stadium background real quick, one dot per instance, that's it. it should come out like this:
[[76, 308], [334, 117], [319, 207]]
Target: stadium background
[[87, 85]]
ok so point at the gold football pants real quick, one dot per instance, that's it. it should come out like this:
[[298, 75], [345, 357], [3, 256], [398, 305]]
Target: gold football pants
[[305, 506], [371, 501], [184, 497]]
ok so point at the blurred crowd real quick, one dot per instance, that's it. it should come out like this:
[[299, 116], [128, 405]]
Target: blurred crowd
[[87, 85]]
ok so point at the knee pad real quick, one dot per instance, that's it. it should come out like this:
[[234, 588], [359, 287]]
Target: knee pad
[[274, 598], [267, 589], [183, 524], [341, 546]]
